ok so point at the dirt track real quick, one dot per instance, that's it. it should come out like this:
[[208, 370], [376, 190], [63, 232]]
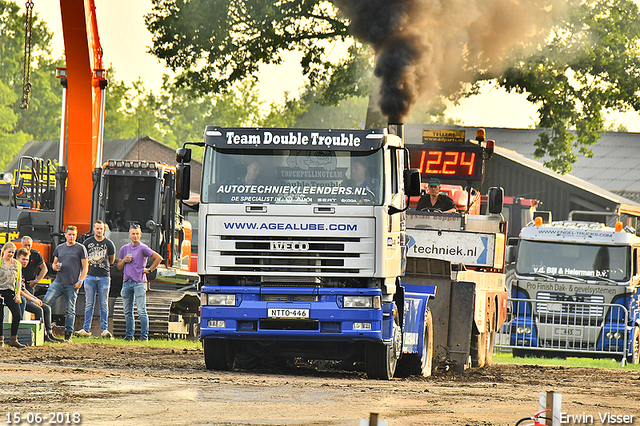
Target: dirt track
[[111, 385]]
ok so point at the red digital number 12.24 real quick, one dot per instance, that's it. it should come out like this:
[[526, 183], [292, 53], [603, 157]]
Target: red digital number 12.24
[[451, 164]]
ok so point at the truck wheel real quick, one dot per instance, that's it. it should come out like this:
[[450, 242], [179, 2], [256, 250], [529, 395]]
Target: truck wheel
[[217, 354], [245, 360], [635, 346], [413, 365], [478, 348], [275, 363], [522, 353], [380, 359]]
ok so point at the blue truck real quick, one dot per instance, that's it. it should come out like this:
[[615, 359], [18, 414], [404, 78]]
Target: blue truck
[[575, 289]]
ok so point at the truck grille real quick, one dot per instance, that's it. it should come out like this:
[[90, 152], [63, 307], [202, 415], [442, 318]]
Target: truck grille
[[592, 308], [298, 255]]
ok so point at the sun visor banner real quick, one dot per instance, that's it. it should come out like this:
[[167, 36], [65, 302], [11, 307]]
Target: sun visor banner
[[310, 139]]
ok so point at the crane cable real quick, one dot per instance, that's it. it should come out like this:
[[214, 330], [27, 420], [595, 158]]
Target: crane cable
[[26, 71]]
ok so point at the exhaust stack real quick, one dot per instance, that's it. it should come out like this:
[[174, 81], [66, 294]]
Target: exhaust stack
[[395, 128]]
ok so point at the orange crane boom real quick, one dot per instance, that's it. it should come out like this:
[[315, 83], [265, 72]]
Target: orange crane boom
[[85, 80]]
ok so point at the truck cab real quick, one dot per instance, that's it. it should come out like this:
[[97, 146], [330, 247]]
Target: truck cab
[[575, 291]]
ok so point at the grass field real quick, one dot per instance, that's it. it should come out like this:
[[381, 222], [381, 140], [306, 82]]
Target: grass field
[[507, 358], [155, 343]]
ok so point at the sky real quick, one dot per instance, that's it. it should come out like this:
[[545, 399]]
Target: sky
[[125, 41]]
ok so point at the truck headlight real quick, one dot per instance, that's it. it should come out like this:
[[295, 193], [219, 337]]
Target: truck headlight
[[361, 302], [523, 330], [218, 299]]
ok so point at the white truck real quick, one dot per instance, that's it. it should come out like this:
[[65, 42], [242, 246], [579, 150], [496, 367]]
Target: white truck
[[575, 290], [302, 244]]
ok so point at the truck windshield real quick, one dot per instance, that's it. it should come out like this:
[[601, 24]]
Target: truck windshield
[[241, 176], [576, 260]]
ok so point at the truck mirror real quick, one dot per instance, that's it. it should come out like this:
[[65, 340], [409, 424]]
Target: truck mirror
[[412, 182], [510, 254], [183, 181], [19, 188], [183, 155], [495, 199]]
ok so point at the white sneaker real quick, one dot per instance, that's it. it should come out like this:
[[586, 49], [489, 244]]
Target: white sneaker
[[106, 334], [82, 333]]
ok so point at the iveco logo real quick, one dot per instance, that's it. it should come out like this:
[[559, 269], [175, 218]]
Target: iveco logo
[[289, 246]]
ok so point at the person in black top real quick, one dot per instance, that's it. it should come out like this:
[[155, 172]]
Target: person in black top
[[101, 254], [70, 263], [37, 268], [434, 200]]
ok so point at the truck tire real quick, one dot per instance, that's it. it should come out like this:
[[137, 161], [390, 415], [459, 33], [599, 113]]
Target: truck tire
[[634, 357], [245, 360], [217, 354], [273, 363], [414, 365], [478, 348], [522, 353], [380, 359]]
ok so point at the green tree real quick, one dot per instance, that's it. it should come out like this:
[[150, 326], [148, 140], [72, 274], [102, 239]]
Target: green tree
[[590, 65], [10, 140], [183, 114], [41, 120], [347, 114], [216, 43], [587, 64]]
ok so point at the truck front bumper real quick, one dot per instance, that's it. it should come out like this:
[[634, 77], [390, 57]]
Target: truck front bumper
[[312, 314]]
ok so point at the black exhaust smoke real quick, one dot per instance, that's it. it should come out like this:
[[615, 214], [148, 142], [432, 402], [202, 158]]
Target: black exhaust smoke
[[379, 23], [398, 91], [432, 49]]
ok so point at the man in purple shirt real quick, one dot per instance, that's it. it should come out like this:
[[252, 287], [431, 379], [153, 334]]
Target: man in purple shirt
[[133, 259]]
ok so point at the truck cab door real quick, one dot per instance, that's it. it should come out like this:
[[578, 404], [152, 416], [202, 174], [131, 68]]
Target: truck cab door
[[395, 227]]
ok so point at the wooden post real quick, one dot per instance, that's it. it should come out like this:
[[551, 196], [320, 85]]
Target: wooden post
[[551, 401], [549, 406], [373, 419]]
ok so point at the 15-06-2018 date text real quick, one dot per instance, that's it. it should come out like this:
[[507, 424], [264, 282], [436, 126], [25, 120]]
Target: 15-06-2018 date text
[[51, 418]]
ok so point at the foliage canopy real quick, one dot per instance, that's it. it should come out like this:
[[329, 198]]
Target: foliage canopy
[[588, 63]]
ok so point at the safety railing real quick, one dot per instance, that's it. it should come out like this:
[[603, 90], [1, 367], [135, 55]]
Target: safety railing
[[565, 327]]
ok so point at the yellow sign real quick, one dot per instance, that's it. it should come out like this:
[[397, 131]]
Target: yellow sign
[[442, 136], [27, 175], [3, 237]]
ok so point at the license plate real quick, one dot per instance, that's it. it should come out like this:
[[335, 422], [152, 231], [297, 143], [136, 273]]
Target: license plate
[[288, 313], [575, 332]]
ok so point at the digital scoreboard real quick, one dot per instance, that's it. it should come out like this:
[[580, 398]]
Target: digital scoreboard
[[448, 161]]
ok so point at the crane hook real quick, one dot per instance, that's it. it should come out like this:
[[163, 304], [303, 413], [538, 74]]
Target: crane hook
[[26, 71]]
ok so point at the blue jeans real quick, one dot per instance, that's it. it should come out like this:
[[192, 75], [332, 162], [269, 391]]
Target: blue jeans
[[101, 286], [57, 289], [132, 290]]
